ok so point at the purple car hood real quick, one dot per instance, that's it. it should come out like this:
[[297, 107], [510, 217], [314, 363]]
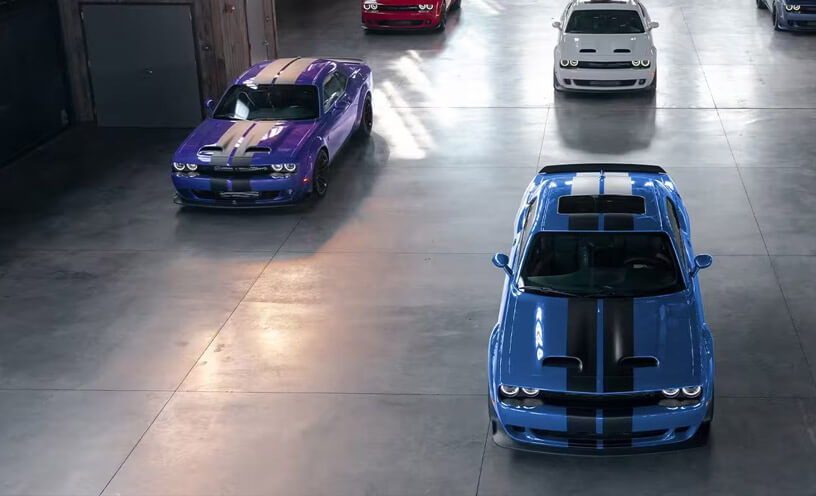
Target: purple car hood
[[227, 140]]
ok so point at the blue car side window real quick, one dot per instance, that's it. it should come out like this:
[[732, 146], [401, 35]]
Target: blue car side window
[[676, 233], [525, 233]]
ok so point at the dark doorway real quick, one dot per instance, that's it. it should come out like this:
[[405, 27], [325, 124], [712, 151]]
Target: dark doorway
[[33, 89]]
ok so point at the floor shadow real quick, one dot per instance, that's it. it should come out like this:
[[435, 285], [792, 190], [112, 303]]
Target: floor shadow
[[616, 124]]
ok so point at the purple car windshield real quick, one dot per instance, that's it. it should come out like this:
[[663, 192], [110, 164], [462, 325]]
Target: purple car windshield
[[604, 22], [286, 102]]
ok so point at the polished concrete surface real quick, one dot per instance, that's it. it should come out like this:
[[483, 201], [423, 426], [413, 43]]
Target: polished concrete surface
[[340, 349]]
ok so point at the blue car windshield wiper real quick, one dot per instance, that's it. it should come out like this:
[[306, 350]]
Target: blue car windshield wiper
[[548, 291]]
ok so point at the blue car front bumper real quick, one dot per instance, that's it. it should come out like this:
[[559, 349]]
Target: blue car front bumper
[[797, 21], [590, 431], [234, 192]]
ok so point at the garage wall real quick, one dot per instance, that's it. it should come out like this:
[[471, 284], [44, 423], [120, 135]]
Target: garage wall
[[34, 101], [221, 44]]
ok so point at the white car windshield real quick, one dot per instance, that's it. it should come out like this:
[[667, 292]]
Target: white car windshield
[[604, 22]]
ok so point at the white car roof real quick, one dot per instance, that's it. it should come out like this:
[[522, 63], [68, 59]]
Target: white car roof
[[605, 5]]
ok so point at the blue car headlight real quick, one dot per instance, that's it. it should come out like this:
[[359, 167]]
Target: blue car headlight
[[509, 391]]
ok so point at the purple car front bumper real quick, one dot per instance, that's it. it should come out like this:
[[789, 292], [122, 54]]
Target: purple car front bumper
[[233, 192]]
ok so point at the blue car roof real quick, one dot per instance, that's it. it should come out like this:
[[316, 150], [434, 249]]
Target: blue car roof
[[616, 181]]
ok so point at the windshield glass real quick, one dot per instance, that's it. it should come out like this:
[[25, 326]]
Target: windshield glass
[[601, 264], [604, 22], [269, 102]]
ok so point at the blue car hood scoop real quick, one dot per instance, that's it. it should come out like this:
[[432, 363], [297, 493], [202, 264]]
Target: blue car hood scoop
[[601, 346]]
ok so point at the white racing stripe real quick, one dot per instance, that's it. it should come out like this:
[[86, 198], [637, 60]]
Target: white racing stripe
[[586, 183], [617, 183]]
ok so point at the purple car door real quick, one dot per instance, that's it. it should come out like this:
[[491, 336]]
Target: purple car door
[[338, 108]]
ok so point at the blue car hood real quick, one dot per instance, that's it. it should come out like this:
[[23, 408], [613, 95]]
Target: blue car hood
[[601, 332], [231, 140]]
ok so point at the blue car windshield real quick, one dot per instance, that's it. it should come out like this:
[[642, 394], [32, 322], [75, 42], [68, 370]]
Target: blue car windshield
[[604, 22], [286, 102], [601, 264]]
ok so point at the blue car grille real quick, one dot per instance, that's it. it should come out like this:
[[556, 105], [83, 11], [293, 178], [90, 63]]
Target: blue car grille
[[572, 400], [591, 439]]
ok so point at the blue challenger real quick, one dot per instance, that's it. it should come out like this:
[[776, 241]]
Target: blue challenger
[[791, 15], [601, 346], [271, 138]]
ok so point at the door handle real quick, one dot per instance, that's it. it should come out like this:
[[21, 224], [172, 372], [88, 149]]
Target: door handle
[[149, 71]]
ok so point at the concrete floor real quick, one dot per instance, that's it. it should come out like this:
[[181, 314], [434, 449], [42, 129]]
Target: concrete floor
[[340, 349]]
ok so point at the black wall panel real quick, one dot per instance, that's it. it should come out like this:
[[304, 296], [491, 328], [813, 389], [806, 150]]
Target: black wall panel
[[33, 85]]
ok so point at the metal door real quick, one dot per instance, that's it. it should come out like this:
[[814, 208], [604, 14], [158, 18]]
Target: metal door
[[142, 64]]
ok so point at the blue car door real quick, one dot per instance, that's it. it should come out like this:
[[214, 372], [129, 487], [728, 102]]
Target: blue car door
[[338, 110]]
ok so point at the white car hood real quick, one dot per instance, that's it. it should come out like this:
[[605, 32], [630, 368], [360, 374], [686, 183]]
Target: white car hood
[[604, 46]]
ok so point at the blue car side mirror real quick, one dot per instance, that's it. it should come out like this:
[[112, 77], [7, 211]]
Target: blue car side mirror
[[701, 262], [502, 261], [210, 104]]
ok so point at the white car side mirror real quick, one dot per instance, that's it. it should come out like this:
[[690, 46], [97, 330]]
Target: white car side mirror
[[556, 24], [653, 25]]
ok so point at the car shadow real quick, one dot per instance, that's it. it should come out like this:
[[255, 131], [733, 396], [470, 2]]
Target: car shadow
[[616, 124]]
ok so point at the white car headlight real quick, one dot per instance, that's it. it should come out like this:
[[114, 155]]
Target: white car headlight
[[692, 391], [277, 167], [636, 63], [179, 166], [529, 391], [290, 167], [797, 7], [788, 7], [573, 63], [565, 63], [370, 5], [192, 167], [645, 63]]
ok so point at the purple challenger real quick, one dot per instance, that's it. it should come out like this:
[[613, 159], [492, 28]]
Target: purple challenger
[[271, 138]]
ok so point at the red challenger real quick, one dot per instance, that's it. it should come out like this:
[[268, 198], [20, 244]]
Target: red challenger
[[406, 14]]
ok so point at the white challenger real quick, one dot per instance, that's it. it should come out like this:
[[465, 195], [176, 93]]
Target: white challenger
[[605, 45]]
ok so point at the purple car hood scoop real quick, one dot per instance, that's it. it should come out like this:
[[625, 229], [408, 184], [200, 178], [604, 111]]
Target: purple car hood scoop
[[222, 141]]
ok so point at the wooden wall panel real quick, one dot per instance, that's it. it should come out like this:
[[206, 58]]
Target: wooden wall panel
[[220, 34]]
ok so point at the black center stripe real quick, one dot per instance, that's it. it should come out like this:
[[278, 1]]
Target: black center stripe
[[583, 222], [619, 342], [580, 425], [582, 332], [619, 222]]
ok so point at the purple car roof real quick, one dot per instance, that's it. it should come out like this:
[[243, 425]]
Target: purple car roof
[[297, 70]]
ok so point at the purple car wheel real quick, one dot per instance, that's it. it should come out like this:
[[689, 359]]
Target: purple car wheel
[[320, 176], [367, 121]]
